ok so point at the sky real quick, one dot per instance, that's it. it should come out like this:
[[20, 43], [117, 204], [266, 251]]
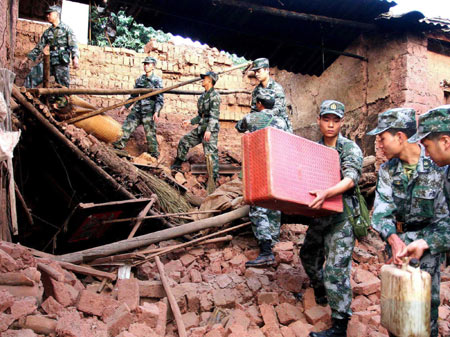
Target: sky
[[430, 8]]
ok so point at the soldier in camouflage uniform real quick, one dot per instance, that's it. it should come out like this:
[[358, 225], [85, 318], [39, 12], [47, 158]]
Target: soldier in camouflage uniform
[[434, 134], [261, 68], [266, 223], [63, 47], [409, 202], [330, 239], [145, 111], [207, 131]]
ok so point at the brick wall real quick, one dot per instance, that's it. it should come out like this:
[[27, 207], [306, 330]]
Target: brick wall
[[105, 67]]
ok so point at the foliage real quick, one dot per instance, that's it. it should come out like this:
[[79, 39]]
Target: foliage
[[120, 30]]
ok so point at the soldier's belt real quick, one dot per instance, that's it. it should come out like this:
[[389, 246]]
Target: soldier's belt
[[57, 48], [403, 227]]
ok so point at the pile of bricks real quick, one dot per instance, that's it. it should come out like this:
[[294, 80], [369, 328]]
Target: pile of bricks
[[216, 294]]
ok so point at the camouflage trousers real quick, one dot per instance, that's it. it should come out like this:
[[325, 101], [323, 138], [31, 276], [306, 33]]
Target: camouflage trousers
[[266, 224], [36, 75], [429, 263], [333, 244], [288, 122], [133, 120], [195, 137]]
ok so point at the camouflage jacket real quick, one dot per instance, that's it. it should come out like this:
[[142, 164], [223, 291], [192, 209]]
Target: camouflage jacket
[[260, 120], [279, 108], [153, 103], [350, 159], [419, 202], [208, 106], [62, 44]]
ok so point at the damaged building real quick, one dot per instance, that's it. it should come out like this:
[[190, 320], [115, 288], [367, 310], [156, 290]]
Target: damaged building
[[98, 242]]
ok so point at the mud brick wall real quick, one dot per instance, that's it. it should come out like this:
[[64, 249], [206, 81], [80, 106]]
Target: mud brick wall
[[113, 68], [8, 23]]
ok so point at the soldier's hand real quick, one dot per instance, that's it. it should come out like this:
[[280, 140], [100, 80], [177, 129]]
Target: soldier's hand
[[155, 118], [122, 110], [397, 246], [23, 63], [321, 196], [186, 123], [415, 249], [75, 62], [207, 136]]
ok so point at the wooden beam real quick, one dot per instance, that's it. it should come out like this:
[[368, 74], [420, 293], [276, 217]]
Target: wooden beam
[[251, 7]]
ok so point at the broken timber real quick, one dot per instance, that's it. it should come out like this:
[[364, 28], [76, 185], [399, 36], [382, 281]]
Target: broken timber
[[150, 238]]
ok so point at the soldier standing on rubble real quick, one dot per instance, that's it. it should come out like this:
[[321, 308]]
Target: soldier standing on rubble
[[63, 47], [410, 202], [262, 73], [207, 131], [266, 223], [434, 134], [330, 239], [146, 111]]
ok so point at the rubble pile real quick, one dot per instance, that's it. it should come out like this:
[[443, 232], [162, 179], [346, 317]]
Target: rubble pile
[[215, 293]]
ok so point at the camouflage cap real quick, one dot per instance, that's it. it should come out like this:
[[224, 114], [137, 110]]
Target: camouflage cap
[[211, 74], [398, 118], [149, 59], [266, 97], [53, 8], [260, 63], [434, 120], [332, 107]]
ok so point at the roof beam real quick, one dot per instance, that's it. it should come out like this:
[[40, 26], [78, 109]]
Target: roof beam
[[295, 15]]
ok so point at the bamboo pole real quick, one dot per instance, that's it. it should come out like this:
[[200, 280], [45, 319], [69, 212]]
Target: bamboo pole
[[173, 302], [101, 91], [153, 93], [147, 239], [157, 216]]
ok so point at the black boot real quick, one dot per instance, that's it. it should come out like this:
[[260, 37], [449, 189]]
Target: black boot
[[339, 329], [176, 164], [321, 295], [265, 257]]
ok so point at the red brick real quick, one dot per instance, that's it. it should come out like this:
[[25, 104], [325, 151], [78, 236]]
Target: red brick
[[190, 320], [6, 300], [288, 313], [375, 320], [444, 313], [95, 304], [141, 330], [317, 313], [364, 316], [367, 288], [23, 307], [217, 330], [223, 281], [268, 298], [19, 333], [198, 332], [356, 328], [40, 324], [187, 259], [51, 306], [284, 256], [309, 300], [287, 331], [152, 289], [148, 313], [301, 329], [224, 298], [120, 320], [128, 292], [173, 265], [5, 321], [7, 263], [360, 303], [196, 276], [271, 331], [363, 276], [254, 332], [62, 292], [238, 317], [268, 314], [25, 291], [126, 334], [162, 319], [283, 246], [292, 279]]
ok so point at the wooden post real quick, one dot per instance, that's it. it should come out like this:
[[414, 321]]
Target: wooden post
[[157, 92], [147, 239], [173, 302], [141, 215], [46, 64]]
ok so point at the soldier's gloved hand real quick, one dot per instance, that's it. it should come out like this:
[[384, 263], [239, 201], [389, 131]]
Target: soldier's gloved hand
[[75, 62], [186, 123], [155, 118], [415, 249], [23, 63], [207, 136], [122, 110]]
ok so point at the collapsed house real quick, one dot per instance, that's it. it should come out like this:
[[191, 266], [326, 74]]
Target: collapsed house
[[103, 213]]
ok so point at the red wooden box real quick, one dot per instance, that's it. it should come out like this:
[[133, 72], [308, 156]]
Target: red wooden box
[[279, 170]]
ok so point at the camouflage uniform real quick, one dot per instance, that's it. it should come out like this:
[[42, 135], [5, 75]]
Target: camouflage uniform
[[418, 203], [63, 47], [280, 99], [266, 223], [208, 106], [142, 113]]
